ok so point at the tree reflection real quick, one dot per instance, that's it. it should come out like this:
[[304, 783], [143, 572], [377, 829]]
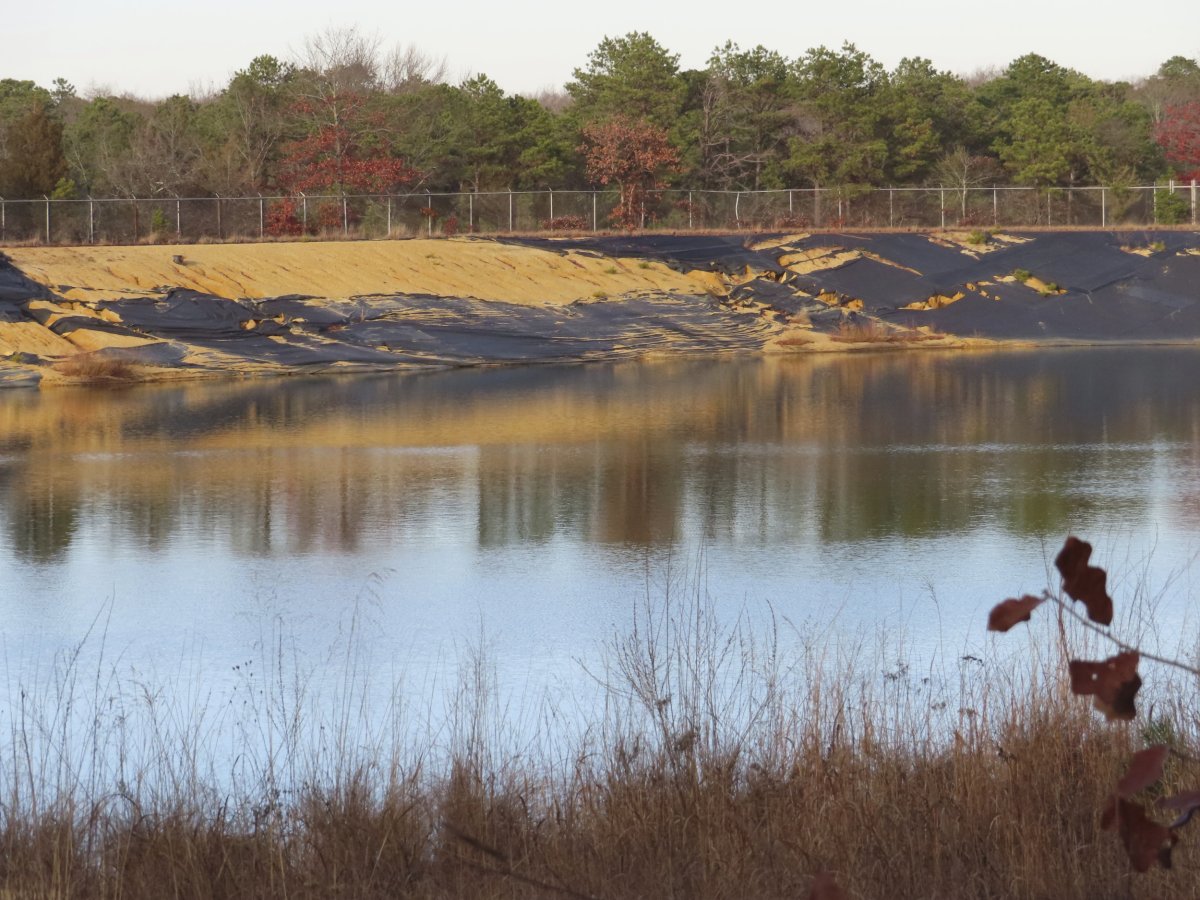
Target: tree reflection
[[763, 452]]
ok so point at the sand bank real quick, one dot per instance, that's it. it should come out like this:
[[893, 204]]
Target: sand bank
[[161, 312]]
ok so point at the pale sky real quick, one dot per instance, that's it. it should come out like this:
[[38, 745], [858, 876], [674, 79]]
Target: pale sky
[[154, 49]]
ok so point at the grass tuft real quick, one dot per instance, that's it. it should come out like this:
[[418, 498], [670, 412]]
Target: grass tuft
[[93, 368]]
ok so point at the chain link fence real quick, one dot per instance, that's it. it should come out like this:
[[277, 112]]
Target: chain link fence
[[162, 219]]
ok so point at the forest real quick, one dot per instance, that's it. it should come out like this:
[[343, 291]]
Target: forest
[[349, 115]]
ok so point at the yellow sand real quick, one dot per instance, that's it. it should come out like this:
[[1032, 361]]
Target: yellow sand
[[30, 337], [773, 243], [936, 301], [465, 267], [817, 259]]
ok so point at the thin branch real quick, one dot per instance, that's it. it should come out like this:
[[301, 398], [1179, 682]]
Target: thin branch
[[1116, 641]]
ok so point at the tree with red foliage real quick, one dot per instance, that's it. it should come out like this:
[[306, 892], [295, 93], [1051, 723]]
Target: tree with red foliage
[[634, 155], [347, 154], [1178, 133]]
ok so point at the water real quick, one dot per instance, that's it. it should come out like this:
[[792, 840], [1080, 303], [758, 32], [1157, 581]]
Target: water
[[196, 529]]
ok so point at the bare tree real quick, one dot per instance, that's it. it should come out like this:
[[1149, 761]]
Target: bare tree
[[1176, 82], [407, 69], [960, 171], [982, 76], [342, 60], [553, 99]]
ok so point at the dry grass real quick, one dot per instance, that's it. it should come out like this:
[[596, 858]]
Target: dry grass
[[722, 766], [873, 332], [96, 368]]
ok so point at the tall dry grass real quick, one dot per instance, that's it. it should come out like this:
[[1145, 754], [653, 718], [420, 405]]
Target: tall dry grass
[[96, 368], [719, 760]]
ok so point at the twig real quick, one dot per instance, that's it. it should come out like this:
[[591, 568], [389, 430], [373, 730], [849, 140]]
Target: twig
[[1116, 641]]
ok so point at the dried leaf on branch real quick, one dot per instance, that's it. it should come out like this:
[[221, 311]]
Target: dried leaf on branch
[[1113, 683], [1145, 840], [1145, 769], [1084, 582], [1008, 613]]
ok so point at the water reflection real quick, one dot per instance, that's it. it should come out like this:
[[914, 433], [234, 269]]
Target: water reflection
[[760, 452]]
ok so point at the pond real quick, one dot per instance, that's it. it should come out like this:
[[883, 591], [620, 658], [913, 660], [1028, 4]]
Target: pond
[[378, 528]]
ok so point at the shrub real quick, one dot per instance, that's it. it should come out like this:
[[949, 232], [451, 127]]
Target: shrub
[[1170, 208], [565, 223], [282, 220], [792, 221], [158, 221]]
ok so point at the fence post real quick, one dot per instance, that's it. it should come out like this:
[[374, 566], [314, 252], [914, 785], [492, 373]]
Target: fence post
[[737, 216], [551, 204], [91, 220], [220, 226], [995, 206], [690, 226], [789, 202], [133, 200], [47, 199], [304, 211], [1193, 201], [262, 218], [429, 218], [942, 205], [1103, 207], [179, 220], [345, 217], [1154, 201], [389, 214], [510, 219], [595, 220], [471, 213], [891, 207]]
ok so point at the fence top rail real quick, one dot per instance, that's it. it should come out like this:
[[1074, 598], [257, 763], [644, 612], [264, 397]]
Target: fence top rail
[[851, 190]]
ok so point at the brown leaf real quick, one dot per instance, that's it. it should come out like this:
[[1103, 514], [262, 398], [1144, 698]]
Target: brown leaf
[[1114, 683], [1145, 768], [1007, 614], [1185, 802], [1145, 840], [1083, 582], [825, 887]]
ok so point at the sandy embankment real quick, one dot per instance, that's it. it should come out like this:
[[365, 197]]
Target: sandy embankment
[[81, 304], [156, 312], [479, 269]]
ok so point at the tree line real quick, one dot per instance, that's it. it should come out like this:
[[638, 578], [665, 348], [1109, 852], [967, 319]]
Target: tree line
[[347, 116]]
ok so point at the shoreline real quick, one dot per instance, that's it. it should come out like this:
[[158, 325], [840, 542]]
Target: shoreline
[[148, 313]]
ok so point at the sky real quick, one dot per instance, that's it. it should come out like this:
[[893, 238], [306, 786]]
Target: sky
[[154, 49]]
